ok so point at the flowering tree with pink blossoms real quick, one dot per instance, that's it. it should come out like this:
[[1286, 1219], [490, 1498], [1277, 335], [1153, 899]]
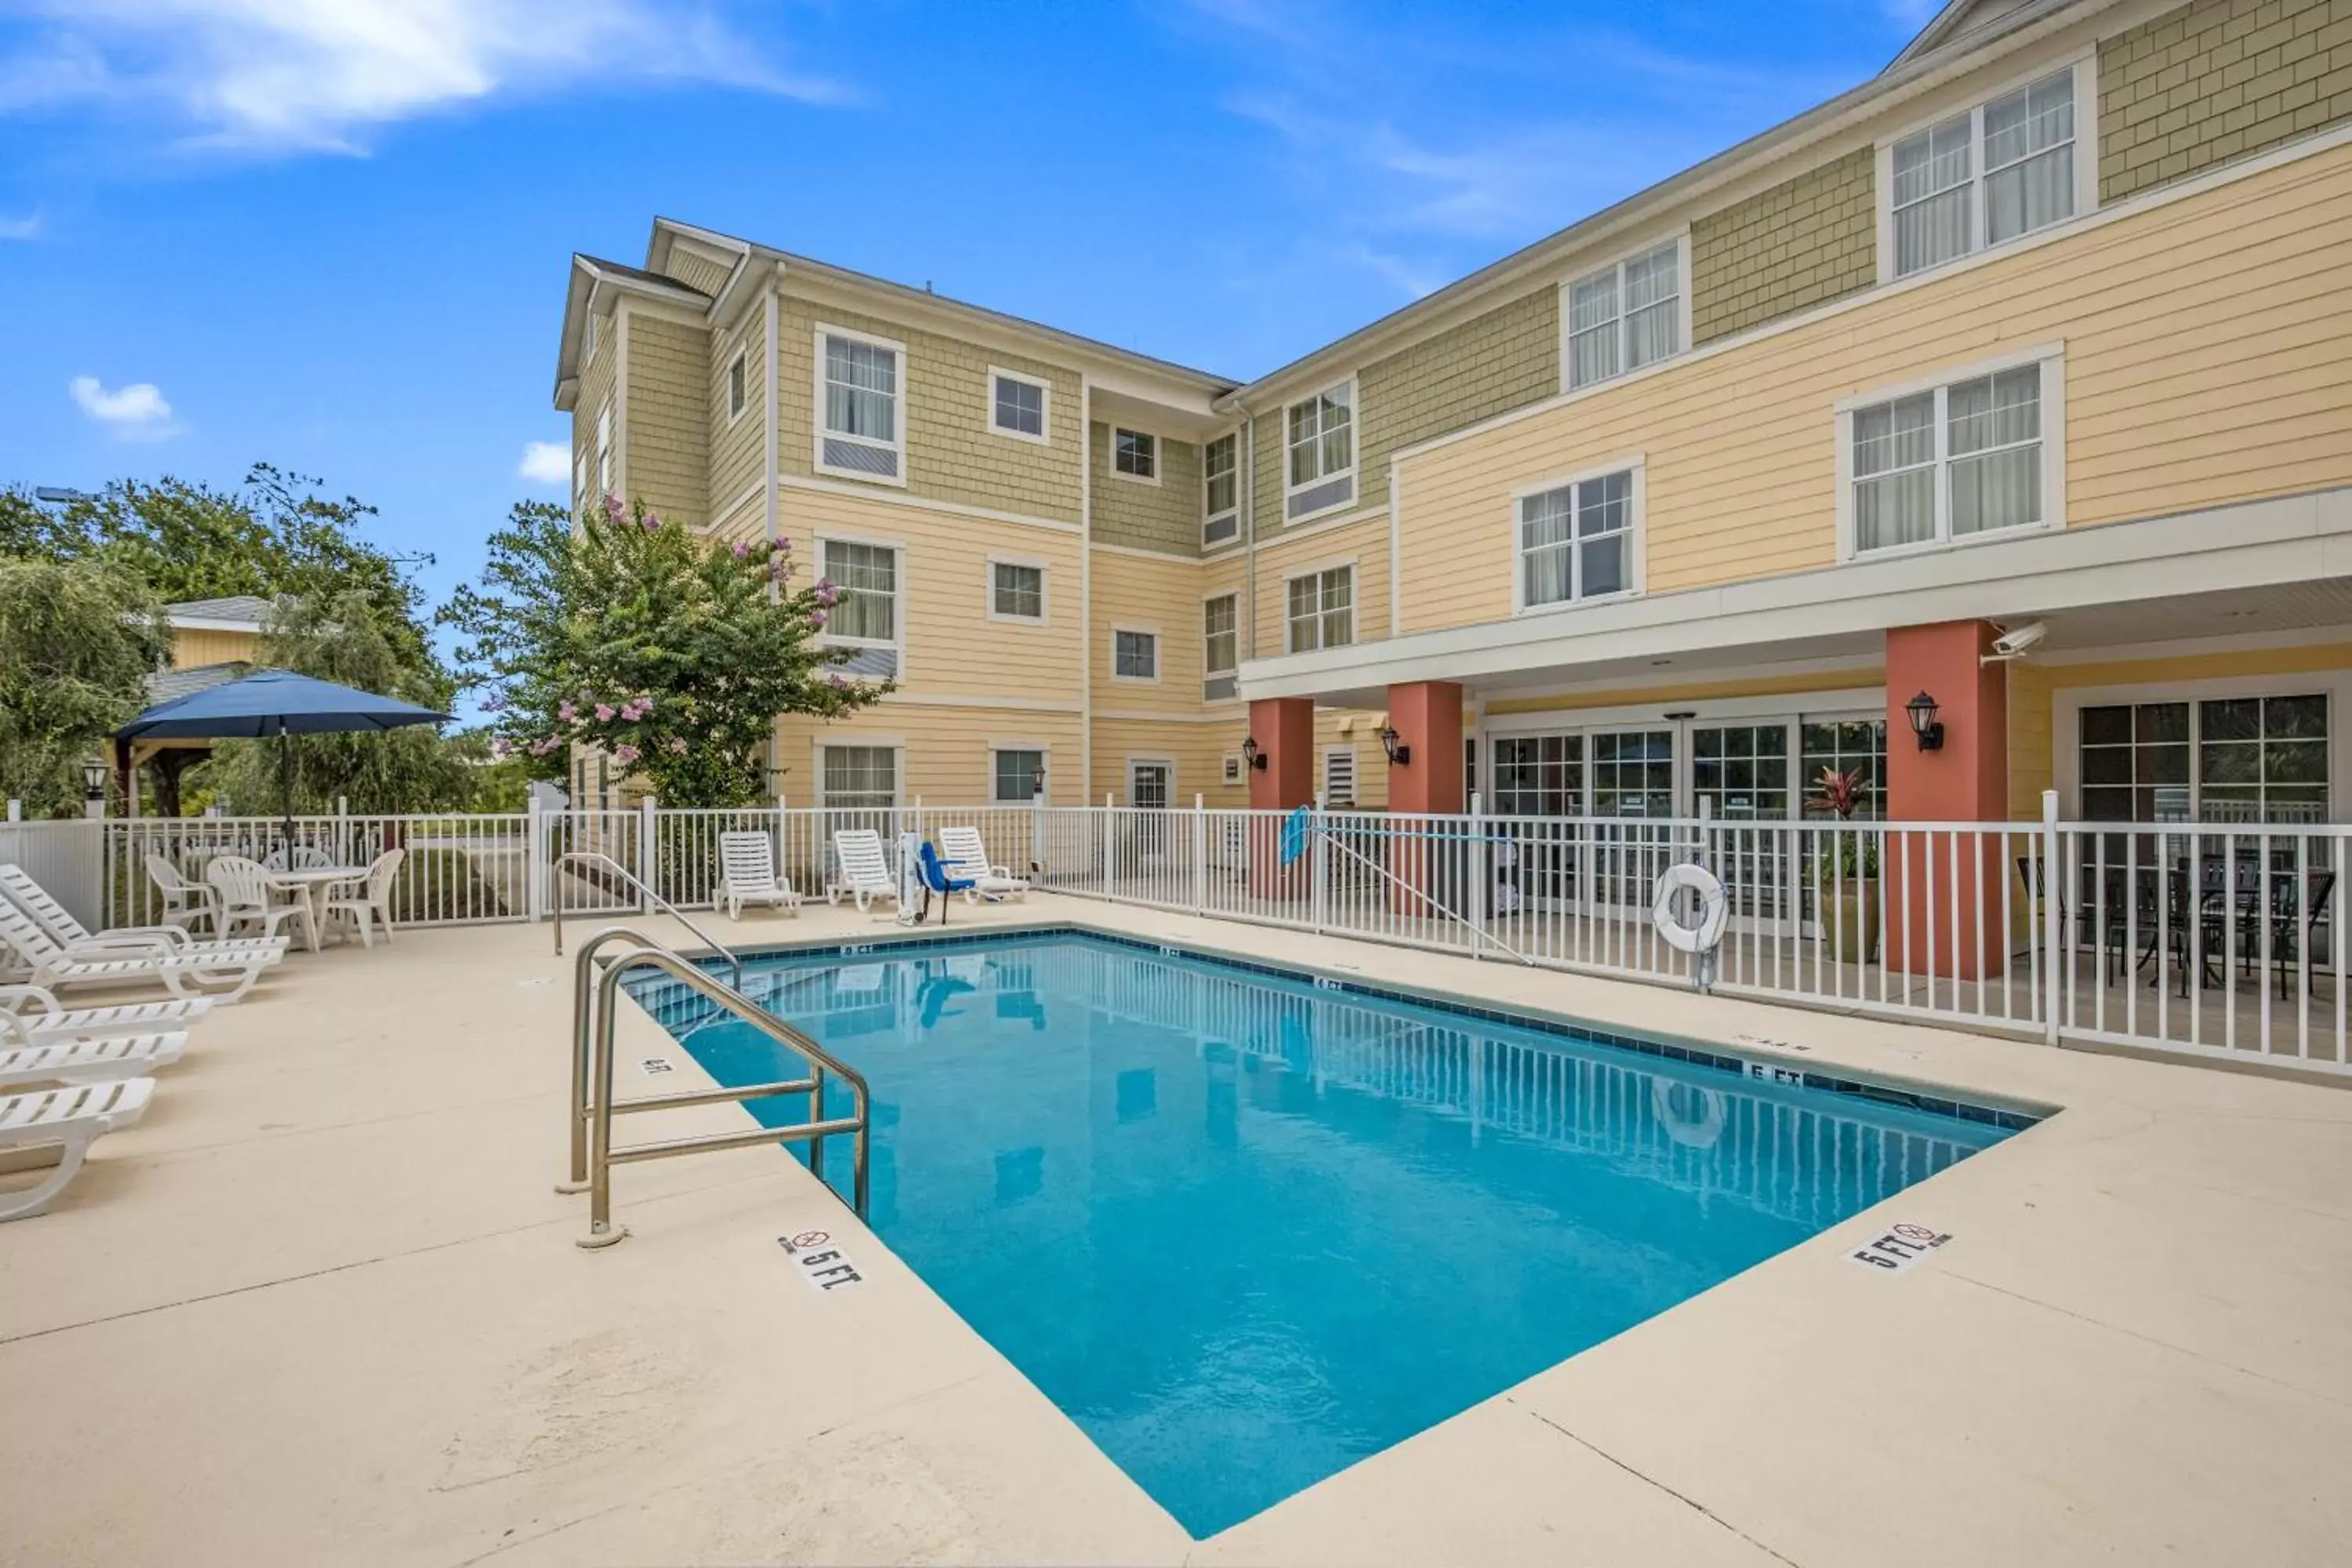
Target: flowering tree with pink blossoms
[[670, 651]]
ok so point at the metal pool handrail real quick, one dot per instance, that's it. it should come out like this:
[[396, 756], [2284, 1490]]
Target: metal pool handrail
[[591, 857], [583, 997], [602, 1106]]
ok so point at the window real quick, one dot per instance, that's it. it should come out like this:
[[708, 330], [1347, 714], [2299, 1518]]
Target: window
[[1135, 655], [1016, 777], [2233, 758], [1134, 455], [736, 392], [867, 578], [1983, 177], [1220, 647], [861, 778], [1320, 452], [1739, 773], [1855, 746], [1017, 404], [1016, 592], [1948, 463], [857, 382], [1321, 610], [580, 482], [1220, 517], [1339, 776], [1539, 775], [1626, 316], [1576, 541], [604, 451]]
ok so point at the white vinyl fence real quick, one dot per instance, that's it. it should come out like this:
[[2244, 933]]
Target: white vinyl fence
[[2214, 939]]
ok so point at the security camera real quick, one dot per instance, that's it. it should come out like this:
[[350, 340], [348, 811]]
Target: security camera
[[2013, 643]]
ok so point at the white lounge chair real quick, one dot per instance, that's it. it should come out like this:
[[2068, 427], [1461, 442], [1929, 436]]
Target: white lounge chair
[[32, 1015], [864, 873], [367, 901], [74, 937], [747, 864], [966, 856], [51, 964], [184, 902], [247, 894], [71, 1116], [89, 1062]]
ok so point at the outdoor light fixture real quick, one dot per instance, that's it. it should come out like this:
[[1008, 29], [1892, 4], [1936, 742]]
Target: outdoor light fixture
[[93, 781], [1251, 756], [1399, 756], [1037, 781], [1924, 723]]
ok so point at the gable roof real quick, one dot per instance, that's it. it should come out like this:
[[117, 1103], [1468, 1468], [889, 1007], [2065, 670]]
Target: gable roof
[[237, 612]]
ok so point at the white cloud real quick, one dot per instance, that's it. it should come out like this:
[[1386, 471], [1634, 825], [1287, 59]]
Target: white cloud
[[545, 462], [137, 410], [25, 227], [319, 75]]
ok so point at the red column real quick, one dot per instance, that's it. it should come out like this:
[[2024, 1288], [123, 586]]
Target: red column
[[1282, 779], [1964, 780], [1427, 717]]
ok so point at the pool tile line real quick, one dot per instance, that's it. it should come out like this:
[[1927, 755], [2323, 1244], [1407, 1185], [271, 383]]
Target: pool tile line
[[1958, 1110]]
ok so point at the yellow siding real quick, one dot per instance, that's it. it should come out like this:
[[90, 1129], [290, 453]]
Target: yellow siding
[[595, 391], [1493, 362], [192, 647], [951, 455], [2206, 362], [945, 755], [1197, 749], [667, 427], [1164, 517], [1366, 543], [1145, 593], [738, 453]]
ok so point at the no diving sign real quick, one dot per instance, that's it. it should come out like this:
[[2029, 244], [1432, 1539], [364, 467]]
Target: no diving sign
[[1901, 1247], [818, 1261]]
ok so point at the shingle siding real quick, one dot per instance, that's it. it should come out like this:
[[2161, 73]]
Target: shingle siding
[[1802, 243], [1165, 517], [667, 427], [738, 455], [2217, 80], [1487, 365]]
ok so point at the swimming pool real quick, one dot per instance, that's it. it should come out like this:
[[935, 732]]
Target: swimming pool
[[1247, 1228]]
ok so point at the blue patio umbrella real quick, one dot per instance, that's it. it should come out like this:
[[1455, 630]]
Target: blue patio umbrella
[[274, 702]]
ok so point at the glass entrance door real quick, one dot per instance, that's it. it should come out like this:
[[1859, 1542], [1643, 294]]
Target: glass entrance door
[[1739, 773], [1633, 780]]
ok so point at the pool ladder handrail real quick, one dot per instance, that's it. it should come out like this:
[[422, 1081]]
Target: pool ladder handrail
[[653, 898], [594, 1105]]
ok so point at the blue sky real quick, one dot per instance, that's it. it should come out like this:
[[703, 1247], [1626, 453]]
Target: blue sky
[[331, 234]]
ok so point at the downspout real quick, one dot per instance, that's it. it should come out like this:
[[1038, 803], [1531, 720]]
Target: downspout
[[1249, 533], [772, 502], [1085, 589]]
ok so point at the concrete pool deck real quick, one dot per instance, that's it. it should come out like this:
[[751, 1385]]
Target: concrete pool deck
[[322, 1305]]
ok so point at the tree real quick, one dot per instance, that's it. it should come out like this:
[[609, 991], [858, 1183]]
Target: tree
[[672, 652], [77, 641], [349, 640]]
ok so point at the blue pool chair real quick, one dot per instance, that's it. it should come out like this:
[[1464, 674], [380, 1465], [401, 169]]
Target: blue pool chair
[[936, 877]]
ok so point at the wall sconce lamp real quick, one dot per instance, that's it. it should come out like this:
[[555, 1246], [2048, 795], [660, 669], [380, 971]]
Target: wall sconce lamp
[[1924, 722], [1251, 756], [1399, 756]]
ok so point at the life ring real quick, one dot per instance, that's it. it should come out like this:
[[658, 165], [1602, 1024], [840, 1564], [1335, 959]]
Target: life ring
[[1667, 916], [1701, 1133]]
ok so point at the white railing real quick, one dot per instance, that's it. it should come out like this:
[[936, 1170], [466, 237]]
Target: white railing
[[2215, 940]]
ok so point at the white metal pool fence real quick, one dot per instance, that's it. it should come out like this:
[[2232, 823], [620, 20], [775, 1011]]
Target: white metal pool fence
[[2209, 939]]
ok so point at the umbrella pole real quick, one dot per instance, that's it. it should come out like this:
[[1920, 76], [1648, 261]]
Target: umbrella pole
[[286, 787]]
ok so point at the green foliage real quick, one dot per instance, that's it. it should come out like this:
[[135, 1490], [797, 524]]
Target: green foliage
[[672, 652], [77, 640]]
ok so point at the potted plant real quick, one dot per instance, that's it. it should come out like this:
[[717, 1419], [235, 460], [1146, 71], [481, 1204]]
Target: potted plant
[[1845, 870]]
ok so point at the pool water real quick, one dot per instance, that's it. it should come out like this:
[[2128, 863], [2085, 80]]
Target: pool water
[[1245, 1231]]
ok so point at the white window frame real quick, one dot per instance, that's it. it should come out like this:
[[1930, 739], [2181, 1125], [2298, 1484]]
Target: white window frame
[[996, 748], [2052, 358], [2086, 67], [1159, 457], [1355, 777], [1354, 454], [1234, 512], [2067, 702], [1045, 590], [1158, 655], [1681, 242], [1044, 435], [738, 375], [1135, 760], [605, 450], [1355, 603], [900, 597], [1637, 565], [818, 433], [1208, 673], [895, 745]]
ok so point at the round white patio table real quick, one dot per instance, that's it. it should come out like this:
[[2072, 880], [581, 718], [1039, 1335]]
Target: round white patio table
[[312, 883]]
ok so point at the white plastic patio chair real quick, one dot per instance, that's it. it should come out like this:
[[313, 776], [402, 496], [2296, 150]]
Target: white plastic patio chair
[[746, 862], [74, 937], [365, 900], [966, 856], [32, 1015], [184, 902], [88, 1061], [247, 895], [72, 1116], [47, 963], [863, 872]]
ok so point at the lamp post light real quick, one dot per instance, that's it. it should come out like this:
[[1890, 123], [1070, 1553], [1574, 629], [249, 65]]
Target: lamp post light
[[94, 788]]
